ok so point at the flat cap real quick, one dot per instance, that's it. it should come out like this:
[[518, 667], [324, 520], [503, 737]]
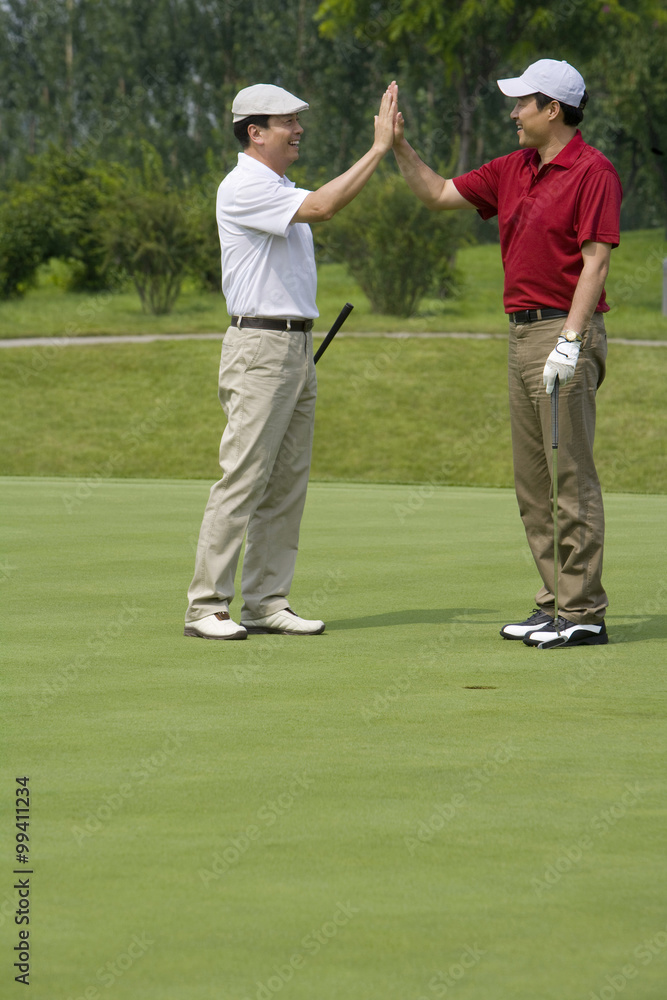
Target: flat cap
[[265, 99]]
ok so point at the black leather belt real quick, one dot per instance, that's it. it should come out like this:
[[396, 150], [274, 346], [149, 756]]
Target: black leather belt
[[534, 315], [272, 323]]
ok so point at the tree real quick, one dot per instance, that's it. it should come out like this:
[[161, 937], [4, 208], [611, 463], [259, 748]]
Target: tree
[[98, 79], [150, 236], [467, 45], [632, 126]]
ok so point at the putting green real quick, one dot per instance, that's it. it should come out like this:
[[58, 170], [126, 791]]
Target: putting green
[[405, 807]]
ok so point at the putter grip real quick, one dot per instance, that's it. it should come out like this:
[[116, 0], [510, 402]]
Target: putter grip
[[554, 415], [342, 316], [338, 322]]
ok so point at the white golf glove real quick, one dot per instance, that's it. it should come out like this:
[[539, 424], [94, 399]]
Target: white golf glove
[[562, 362]]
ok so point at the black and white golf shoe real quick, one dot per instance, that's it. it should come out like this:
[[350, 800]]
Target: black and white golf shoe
[[522, 629], [564, 633]]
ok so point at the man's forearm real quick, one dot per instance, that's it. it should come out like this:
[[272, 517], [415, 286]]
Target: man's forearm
[[586, 297], [322, 204], [423, 181], [435, 191], [589, 289]]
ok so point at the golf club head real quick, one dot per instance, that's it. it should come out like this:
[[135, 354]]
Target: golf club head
[[560, 640]]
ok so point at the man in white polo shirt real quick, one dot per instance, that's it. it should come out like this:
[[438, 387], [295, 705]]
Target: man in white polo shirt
[[267, 384]]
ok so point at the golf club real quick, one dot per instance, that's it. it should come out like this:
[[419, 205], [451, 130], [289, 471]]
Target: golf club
[[338, 322], [554, 461]]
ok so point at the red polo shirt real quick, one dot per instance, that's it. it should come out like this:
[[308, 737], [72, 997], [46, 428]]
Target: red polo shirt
[[544, 216]]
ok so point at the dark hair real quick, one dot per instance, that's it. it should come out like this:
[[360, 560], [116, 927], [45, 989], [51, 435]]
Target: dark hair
[[571, 115], [241, 128]]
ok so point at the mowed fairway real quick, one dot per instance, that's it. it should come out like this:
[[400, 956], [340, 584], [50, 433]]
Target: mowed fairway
[[405, 807]]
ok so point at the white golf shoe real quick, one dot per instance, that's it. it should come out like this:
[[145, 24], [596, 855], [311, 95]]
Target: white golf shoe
[[217, 626], [283, 622], [518, 630], [566, 633]]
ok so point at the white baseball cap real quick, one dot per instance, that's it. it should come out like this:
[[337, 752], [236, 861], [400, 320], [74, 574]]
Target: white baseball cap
[[265, 99], [557, 80]]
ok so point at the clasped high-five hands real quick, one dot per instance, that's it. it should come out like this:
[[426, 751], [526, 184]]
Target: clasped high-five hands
[[389, 120], [398, 116]]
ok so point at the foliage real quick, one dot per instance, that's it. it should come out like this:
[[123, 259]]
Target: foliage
[[151, 236], [148, 237], [634, 291], [55, 214], [393, 246], [99, 79], [24, 237], [468, 44], [108, 222], [636, 92], [199, 202]]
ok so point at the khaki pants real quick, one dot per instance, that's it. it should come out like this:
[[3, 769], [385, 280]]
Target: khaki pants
[[267, 390], [581, 596]]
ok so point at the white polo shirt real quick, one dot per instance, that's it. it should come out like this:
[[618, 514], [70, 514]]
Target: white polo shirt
[[268, 264]]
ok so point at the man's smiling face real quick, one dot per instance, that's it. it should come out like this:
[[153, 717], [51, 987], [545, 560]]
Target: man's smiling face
[[281, 141], [532, 124]]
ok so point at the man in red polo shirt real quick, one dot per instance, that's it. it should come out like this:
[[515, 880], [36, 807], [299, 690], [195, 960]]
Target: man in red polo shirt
[[558, 206]]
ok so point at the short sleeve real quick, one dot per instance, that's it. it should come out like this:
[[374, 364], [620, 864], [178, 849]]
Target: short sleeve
[[267, 207], [598, 208], [480, 188]]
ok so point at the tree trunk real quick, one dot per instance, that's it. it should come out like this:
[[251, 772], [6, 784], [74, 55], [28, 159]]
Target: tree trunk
[[465, 110], [658, 156], [468, 100], [69, 77]]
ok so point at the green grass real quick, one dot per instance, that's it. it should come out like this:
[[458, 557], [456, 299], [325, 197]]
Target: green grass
[[420, 411], [634, 288], [460, 797]]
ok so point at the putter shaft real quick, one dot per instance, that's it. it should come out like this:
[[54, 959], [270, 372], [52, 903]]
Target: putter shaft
[[554, 477]]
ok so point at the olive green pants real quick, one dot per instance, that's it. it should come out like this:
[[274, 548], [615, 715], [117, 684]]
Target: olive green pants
[[267, 389], [581, 596]]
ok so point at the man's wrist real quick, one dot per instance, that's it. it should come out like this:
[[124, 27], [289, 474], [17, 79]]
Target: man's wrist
[[571, 335], [402, 149]]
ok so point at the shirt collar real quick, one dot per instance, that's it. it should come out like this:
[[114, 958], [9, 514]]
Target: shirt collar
[[569, 154], [567, 157], [250, 163]]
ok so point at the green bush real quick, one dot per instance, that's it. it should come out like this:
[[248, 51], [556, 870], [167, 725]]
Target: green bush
[[204, 265], [109, 224], [55, 213], [394, 247], [200, 200], [26, 222], [149, 238]]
